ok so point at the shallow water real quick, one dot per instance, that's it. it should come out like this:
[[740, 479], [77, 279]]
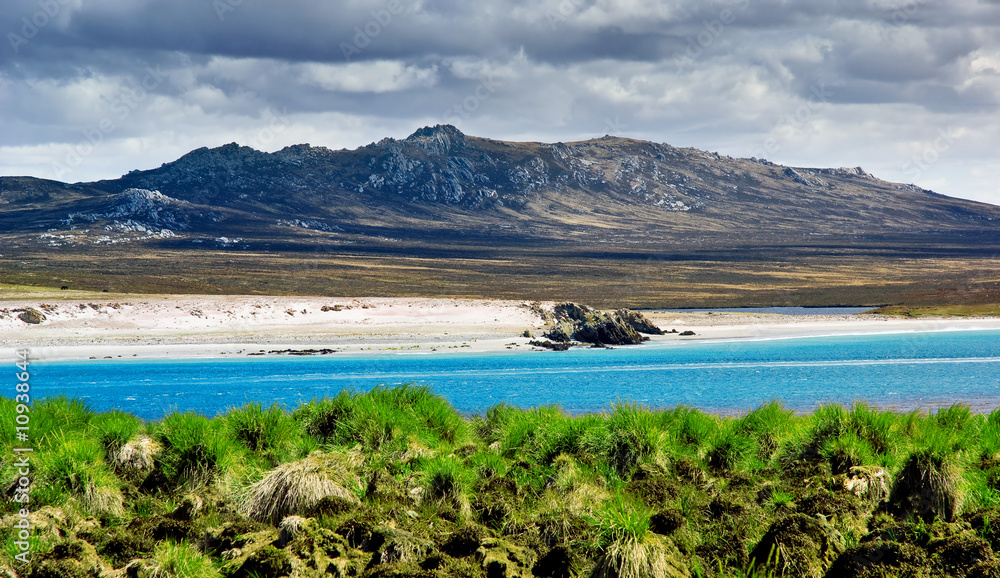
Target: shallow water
[[902, 371], [779, 310]]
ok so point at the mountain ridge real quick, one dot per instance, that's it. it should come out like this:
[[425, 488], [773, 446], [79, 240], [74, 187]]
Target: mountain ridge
[[441, 169], [453, 200]]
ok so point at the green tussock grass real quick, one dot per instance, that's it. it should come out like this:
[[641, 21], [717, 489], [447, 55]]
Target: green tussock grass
[[195, 449], [394, 479], [268, 433], [178, 560], [383, 418]]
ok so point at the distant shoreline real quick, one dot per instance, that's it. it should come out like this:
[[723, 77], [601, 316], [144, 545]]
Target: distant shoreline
[[190, 326]]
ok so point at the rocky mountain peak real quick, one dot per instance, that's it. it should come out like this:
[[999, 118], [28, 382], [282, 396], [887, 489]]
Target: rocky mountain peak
[[434, 131], [437, 139]]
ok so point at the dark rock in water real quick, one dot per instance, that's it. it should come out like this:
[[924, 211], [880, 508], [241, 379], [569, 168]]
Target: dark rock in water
[[607, 330], [591, 326], [324, 351], [638, 322], [553, 345]]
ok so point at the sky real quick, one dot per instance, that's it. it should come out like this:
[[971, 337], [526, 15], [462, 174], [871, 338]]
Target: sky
[[908, 90]]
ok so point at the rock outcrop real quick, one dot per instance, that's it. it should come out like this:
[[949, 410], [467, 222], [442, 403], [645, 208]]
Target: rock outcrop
[[579, 322], [32, 316]]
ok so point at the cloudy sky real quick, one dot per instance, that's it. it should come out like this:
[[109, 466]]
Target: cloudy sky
[[910, 90]]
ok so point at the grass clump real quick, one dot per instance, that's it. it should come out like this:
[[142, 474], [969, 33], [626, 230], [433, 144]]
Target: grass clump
[[929, 486], [118, 433], [766, 426], [797, 545], [629, 436], [447, 483], [728, 448], [875, 427], [384, 419], [175, 560], [630, 549], [53, 415], [195, 449], [295, 487], [73, 468], [267, 432]]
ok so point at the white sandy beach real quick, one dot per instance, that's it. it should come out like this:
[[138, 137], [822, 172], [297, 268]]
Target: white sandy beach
[[210, 326]]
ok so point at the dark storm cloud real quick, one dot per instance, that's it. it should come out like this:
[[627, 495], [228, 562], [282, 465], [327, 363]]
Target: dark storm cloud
[[718, 73]]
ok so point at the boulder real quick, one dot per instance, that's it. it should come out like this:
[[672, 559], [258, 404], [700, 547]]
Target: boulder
[[32, 316]]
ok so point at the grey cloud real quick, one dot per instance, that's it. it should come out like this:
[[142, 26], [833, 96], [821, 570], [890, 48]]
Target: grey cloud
[[702, 72]]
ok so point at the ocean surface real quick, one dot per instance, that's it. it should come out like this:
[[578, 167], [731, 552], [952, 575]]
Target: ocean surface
[[779, 310], [902, 371]]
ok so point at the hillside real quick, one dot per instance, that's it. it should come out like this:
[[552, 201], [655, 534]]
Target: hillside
[[444, 213]]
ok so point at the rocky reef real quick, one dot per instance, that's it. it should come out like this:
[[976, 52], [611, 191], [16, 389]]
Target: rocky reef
[[581, 323]]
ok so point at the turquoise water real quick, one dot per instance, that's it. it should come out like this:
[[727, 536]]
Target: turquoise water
[[779, 310], [902, 371]]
